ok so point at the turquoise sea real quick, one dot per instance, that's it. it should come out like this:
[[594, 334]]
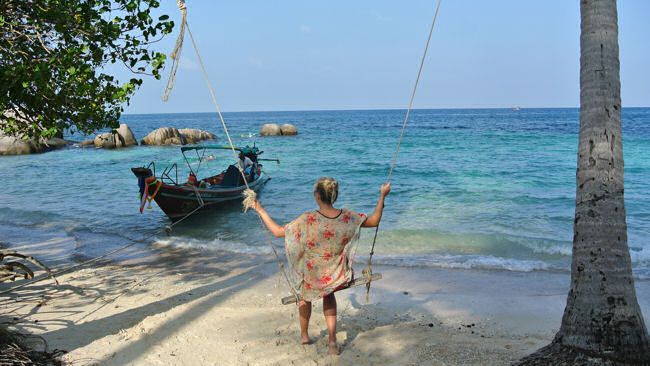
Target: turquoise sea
[[473, 188]]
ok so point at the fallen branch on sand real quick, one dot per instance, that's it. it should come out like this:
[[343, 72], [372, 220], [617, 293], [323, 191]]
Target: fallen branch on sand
[[10, 271]]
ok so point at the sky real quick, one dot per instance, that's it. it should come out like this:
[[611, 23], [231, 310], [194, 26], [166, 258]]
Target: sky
[[285, 55]]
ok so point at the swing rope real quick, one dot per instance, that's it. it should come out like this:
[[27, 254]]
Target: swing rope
[[368, 270], [249, 195]]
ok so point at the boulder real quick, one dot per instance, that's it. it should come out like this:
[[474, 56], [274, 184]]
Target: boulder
[[107, 140], [193, 135], [87, 142], [11, 145], [288, 129], [16, 145], [55, 143], [126, 135], [164, 136], [270, 129], [122, 138]]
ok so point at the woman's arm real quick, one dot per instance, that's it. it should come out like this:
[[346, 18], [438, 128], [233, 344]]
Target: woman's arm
[[373, 220], [274, 228]]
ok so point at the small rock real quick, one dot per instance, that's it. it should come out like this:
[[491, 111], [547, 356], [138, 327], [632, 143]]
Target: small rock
[[508, 346], [405, 292]]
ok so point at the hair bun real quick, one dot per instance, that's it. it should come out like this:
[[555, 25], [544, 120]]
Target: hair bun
[[328, 189]]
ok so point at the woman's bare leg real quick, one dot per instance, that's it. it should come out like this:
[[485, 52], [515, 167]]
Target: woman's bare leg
[[329, 309], [304, 310]]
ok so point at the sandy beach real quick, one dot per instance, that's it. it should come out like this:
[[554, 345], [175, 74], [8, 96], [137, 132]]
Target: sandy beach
[[196, 307]]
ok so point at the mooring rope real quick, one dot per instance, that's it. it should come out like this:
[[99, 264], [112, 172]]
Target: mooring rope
[[93, 260], [368, 270]]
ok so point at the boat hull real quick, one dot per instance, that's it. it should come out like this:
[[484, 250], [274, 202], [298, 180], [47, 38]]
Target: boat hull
[[179, 200]]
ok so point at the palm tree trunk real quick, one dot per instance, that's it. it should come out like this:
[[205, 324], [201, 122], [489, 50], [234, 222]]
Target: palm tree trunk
[[602, 319]]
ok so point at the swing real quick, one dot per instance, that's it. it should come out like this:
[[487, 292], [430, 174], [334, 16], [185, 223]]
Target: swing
[[250, 195], [368, 276], [354, 283]]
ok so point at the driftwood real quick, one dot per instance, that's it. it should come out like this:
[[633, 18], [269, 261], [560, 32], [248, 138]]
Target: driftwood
[[356, 282], [10, 271]]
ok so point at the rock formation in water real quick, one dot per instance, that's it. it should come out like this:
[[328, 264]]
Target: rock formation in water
[[122, 138], [270, 129], [288, 129], [174, 136], [193, 135]]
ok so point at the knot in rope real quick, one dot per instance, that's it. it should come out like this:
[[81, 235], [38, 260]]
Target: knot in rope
[[176, 52], [249, 198]]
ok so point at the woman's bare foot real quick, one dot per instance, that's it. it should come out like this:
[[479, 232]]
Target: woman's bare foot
[[333, 349], [305, 340]]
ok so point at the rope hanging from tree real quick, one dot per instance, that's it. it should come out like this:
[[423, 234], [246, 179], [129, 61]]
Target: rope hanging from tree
[[176, 53]]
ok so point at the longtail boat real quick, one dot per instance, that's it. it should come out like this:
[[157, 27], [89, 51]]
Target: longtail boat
[[178, 199]]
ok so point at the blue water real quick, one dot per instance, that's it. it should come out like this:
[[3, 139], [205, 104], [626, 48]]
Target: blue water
[[480, 188]]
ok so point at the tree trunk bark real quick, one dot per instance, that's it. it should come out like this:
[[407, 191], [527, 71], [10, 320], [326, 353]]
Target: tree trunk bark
[[602, 320]]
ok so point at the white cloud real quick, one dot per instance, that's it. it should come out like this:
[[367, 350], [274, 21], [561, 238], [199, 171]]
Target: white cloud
[[188, 64], [305, 29]]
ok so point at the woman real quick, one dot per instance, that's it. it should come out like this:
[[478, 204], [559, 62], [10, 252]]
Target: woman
[[319, 248]]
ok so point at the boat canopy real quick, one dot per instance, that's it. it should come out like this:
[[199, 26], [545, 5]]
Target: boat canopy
[[245, 150]]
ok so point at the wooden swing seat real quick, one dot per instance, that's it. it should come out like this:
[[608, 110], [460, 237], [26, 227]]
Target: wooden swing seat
[[356, 282]]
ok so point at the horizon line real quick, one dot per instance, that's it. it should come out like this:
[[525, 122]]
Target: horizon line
[[368, 109]]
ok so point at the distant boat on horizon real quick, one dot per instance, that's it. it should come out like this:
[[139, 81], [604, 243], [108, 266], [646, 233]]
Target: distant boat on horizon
[[515, 108]]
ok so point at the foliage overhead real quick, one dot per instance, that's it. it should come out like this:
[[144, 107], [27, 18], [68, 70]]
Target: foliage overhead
[[53, 60]]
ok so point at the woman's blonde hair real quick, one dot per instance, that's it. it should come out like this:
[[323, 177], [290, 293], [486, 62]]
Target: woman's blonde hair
[[327, 189]]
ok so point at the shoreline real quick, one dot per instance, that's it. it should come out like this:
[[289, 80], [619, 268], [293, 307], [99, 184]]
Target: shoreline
[[193, 306]]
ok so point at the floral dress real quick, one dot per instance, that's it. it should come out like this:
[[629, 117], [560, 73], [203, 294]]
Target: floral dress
[[320, 251]]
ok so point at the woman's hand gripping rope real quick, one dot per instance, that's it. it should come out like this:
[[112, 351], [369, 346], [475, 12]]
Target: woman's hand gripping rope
[[250, 200]]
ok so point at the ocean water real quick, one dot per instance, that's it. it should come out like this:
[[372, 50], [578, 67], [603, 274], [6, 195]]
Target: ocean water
[[479, 188]]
